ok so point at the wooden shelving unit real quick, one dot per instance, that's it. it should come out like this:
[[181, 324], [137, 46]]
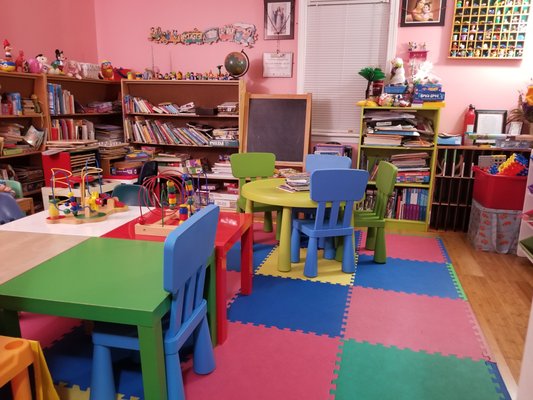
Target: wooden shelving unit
[[365, 152], [454, 183], [489, 29], [27, 84], [205, 94], [84, 92]]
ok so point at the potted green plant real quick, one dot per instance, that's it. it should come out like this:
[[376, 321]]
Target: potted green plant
[[371, 75]]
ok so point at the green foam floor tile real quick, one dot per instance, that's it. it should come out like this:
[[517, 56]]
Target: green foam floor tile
[[370, 372]]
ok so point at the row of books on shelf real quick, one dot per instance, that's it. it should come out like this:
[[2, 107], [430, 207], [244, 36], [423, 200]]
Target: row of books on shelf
[[133, 104], [156, 131], [407, 203], [71, 129], [412, 167], [60, 101]]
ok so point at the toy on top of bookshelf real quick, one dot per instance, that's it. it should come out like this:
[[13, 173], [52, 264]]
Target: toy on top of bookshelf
[[106, 70], [170, 199], [89, 207], [7, 64]]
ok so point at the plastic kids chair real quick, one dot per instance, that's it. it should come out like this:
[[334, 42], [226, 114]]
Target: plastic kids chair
[[336, 189], [375, 220], [148, 169], [15, 358], [251, 166], [15, 185], [321, 161], [184, 266], [9, 209], [132, 195]]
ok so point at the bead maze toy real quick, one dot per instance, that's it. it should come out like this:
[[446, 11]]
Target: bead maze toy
[[161, 197], [89, 207]]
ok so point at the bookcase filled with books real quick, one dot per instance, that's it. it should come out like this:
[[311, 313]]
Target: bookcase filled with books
[[193, 125], [24, 124], [78, 108], [454, 183], [407, 138]]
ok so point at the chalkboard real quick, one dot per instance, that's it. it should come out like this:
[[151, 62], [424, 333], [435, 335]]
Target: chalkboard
[[278, 124]]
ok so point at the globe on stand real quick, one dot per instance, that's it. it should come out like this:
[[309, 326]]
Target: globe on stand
[[237, 63]]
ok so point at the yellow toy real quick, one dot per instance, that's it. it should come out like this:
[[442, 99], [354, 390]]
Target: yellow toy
[[367, 103]]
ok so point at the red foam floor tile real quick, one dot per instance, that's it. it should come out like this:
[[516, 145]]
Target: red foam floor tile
[[418, 248], [45, 329], [267, 363], [416, 322]]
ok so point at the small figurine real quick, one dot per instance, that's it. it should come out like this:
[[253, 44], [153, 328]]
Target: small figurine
[[7, 63], [72, 68], [397, 72], [106, 70], [36, 105], [59, 62], [20, 63]]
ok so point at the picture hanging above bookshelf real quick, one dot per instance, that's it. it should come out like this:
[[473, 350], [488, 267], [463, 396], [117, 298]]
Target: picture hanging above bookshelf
[[489, 29]]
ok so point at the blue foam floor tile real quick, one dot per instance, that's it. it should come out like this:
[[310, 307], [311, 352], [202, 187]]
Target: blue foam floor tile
[[292, 304], [233, 257], [498, 380], [432, 279]]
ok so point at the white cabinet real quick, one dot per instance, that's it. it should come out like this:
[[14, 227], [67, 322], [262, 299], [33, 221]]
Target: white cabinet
[[526, 227]]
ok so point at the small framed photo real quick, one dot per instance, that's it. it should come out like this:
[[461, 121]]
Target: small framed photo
[[423, 13], [514, 128], [490, 122], [279, 20], [277, 65]]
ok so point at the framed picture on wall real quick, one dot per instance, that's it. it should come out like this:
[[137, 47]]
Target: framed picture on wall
[[423, 12], [490, 121], [279, 20]]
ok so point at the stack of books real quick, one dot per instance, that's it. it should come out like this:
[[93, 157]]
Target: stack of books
[[225, 137], [228, 108], [108, 133], [412, 167], [393, 128], [296, 183], [172, 162]]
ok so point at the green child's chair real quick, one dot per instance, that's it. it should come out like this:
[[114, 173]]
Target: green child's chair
[[374, 220], [249, 167]]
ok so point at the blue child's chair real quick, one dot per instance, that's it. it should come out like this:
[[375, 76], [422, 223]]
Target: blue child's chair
[[322, 161], [336, 190], [9, 209], [186, 253]]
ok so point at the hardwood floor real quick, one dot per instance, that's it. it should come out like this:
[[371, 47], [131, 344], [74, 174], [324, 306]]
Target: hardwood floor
[[500, 288]]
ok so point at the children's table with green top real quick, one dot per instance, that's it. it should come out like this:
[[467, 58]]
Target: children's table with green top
[[100, 279]]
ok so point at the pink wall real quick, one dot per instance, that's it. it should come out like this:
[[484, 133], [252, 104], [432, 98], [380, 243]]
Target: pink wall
[[123, 27], [39, 26], [488, 84], [117, 30]]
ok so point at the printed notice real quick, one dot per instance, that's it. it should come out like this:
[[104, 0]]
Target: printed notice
[[277, 65]]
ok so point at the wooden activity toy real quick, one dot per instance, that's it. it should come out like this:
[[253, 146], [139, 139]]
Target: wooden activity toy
[[89, 207], [161, 198]]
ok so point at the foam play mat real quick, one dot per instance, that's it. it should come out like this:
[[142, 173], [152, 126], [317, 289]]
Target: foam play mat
[[400, 330]]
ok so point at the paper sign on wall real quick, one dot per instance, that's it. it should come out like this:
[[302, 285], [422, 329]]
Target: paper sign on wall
[[277, 65]]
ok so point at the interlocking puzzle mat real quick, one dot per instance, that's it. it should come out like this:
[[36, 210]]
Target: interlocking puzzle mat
[[400, 330]]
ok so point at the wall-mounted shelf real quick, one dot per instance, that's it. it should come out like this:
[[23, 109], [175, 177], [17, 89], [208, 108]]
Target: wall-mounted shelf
[[489, 29]]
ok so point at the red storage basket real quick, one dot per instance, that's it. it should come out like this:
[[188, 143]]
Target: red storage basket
[[501, 192]]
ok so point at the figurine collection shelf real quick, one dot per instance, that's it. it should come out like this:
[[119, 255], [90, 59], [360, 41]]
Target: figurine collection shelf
[[489, 29]]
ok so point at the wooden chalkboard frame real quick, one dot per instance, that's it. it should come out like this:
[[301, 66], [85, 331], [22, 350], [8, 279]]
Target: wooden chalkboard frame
[[299, 119]]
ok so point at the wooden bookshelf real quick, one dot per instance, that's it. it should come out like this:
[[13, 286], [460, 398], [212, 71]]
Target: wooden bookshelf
[[204, 94], [454, 183], [370, 154]]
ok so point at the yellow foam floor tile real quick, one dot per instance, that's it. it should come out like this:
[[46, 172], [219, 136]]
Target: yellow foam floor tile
[[329, 271]]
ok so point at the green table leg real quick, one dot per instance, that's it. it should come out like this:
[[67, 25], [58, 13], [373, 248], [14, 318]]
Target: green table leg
[[284, 255], [9, 323], [211, 289], [153, 362], [249, 206]]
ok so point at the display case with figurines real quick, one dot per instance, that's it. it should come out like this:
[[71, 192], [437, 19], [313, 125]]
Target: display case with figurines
[[489, 29]]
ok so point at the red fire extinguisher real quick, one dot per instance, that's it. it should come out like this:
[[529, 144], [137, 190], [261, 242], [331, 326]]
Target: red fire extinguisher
[[470, 119], [468, 127]]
